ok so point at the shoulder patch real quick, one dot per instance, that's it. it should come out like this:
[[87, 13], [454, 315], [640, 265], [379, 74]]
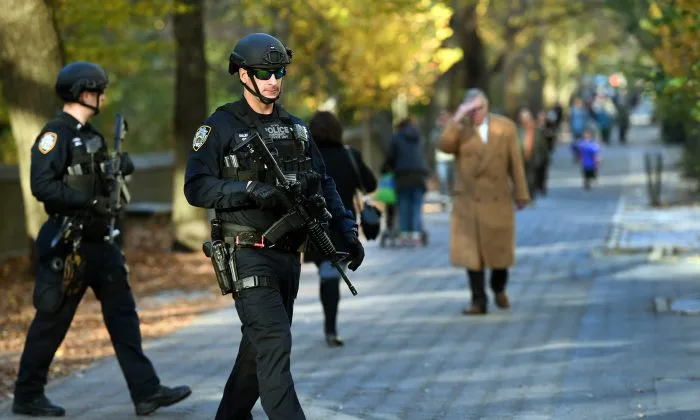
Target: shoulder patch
[[200, 137], [47, 142]]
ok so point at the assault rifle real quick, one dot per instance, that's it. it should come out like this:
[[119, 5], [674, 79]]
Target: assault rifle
[[118, 193], [304, 213]]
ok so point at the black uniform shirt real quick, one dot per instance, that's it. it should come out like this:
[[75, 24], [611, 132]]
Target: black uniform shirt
[[53, 152], [205, 187]]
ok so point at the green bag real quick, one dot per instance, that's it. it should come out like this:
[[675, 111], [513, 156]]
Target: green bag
[[386, 192]]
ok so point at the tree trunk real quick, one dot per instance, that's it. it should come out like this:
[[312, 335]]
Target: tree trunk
[[470, 72], [366, 145], [474, 73], [30, 59], [536, 99], [190, 223]]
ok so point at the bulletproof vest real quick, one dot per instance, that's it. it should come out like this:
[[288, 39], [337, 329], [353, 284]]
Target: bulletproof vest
[[87, 153], [288, 142]]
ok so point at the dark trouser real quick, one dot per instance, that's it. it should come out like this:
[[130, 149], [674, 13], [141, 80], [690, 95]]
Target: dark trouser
[[623, 133], [499, 279], [262, 367], [330, 295], [551, 142], [106, 274], [588, 176], [540, 177], [530, 176], [605, 134]]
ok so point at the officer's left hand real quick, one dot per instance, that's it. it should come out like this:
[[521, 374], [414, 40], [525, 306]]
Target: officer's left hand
[[126, 164], [355, 248], [311, 182], [266, 196]]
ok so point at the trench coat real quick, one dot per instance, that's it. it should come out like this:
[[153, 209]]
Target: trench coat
[[488, 178]]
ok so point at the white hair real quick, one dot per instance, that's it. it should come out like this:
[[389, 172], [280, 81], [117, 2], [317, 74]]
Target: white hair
[[474, 93]]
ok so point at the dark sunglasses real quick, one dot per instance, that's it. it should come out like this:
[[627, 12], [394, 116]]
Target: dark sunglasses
[[267, 74]]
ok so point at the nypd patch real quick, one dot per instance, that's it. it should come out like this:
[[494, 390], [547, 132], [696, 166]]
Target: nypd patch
[[47, 142], [301, 133], [200, 137]]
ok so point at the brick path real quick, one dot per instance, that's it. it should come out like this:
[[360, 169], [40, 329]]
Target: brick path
[[580, 342]]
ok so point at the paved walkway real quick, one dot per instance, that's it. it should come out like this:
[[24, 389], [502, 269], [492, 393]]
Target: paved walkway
[[675, 226], [581, 341]]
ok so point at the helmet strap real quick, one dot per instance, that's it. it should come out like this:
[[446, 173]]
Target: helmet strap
[[256, 92], [94, 109]]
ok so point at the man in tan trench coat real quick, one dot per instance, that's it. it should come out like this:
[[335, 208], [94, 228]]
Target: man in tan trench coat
[[489, 183]]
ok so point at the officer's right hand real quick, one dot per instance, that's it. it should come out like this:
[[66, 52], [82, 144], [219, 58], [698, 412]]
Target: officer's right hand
[[266, 196], [100, 205]]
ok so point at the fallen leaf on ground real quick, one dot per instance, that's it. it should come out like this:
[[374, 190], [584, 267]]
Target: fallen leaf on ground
[[153, 271]]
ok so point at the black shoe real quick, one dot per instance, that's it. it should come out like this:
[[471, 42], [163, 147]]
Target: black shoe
[[334, 341], [162, 398], [38, 407]]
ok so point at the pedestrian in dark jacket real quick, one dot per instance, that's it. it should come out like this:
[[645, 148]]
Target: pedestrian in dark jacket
[[407, 161], [327, 133]]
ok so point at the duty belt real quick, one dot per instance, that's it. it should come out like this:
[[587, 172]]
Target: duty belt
[[240, 236]]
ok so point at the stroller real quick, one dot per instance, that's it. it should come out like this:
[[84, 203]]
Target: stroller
[[386, 193], [390, 235]]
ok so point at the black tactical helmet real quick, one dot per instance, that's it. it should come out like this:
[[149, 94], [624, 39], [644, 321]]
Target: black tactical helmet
[[80, 76], [259, 51]]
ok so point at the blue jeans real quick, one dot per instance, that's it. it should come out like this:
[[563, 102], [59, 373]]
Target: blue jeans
[[411, 208]]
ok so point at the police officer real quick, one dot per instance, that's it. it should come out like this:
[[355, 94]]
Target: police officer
[[66, 176], [246, 200]]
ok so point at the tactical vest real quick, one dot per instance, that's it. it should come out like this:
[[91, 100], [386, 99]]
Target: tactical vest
[[288, 142], [86, 155]]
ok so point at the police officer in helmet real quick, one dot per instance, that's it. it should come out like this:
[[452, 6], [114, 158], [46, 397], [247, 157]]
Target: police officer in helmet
[[247, 202], [67, 176]]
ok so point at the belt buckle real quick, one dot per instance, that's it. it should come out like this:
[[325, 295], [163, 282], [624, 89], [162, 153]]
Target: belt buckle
[[260, 244]]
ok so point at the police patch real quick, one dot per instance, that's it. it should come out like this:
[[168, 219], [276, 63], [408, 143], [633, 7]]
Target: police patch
[[300, 132], [47, 142], [200, 137]]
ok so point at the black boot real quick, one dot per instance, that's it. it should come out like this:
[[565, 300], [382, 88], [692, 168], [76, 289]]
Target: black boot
[[37, 407], [162, 398]]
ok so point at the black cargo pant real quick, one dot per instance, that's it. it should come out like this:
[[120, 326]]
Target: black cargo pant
[[106, 275], [262, 367]]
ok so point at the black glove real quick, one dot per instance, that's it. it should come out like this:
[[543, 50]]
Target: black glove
[[355, 248], [266, 196], [311, 183], [126, 164], [100, 205]]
